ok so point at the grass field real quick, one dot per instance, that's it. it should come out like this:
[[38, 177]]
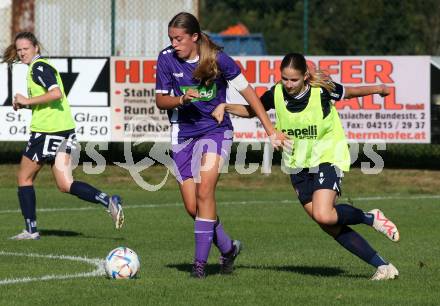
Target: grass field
[[287, 260]]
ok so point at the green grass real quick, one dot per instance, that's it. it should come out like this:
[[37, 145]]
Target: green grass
[[287, 259]]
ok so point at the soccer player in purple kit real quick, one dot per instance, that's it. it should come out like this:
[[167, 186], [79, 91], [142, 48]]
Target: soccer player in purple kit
[[191, 80]]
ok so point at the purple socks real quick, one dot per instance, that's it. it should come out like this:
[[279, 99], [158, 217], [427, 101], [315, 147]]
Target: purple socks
[[221, 239], [203, 234]]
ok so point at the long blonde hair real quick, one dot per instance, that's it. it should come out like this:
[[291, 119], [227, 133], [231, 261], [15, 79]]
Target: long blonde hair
[[317, 78], [207, 69], [10, 55]]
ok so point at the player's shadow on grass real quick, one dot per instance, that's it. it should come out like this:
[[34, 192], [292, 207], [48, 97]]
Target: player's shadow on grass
[[304, 270], [59, 233], [184, 267], [62, 233]]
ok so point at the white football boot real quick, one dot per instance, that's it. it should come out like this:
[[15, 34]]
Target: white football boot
[[384, 225], [115, 210], [25, 235], [385, 272]]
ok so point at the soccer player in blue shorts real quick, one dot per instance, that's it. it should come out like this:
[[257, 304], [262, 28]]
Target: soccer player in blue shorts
[[52, 136], [191, 80], [319, 154]]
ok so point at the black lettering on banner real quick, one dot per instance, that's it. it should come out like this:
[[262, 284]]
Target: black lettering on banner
[[77, 71]]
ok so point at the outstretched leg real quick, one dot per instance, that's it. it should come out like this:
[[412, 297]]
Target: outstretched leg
[[62, 172], [322, 210]]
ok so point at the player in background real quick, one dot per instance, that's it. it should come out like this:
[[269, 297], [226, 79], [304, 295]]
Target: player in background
[[52, 136], [192, 76], [319, 154]]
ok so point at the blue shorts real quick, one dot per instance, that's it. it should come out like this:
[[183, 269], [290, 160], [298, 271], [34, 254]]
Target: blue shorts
[[325, 176], [187, 154], [43, 147]]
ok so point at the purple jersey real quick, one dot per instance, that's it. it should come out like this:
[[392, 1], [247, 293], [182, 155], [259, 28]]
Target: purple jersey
[[174, 76]]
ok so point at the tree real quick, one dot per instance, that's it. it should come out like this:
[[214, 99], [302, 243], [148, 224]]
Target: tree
[[343, 27]]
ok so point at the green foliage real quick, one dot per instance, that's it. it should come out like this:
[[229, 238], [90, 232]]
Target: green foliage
[[344, 27]]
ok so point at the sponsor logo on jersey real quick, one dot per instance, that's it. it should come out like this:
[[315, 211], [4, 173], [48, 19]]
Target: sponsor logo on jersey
[[178, 75], [207, 93], [311, 132]]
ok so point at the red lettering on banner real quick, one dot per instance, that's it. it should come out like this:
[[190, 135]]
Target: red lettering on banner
[[267, 71], [378, 71], [328, 66], [390, 100], [352, 103], [368, 103], [132, 72], [250, 72], [149, 71], [348, 69]]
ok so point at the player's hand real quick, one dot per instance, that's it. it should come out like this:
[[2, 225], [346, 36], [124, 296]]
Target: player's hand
[[385, 90], [189, 95], [21, 100], [277, 139], [219, 112], [288, 146], [16, 106]]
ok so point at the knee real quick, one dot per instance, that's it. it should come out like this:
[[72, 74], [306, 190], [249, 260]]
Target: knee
[[64, 187], [191, 209], [204, 194], [324, 218], [24, 180]]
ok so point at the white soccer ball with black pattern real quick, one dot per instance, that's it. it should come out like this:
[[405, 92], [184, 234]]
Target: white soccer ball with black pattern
[[122, 263]]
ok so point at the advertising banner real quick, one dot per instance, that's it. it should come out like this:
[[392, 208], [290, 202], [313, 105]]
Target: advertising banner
[[113, 99], [86, 84], [401, 117]]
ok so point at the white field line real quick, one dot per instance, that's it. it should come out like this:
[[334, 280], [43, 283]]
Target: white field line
[[178, 204], [98, 263]]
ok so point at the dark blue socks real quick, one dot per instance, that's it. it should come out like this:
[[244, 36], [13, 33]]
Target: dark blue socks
[[89, 193], [357, 245], [26, 197], [350, 215]]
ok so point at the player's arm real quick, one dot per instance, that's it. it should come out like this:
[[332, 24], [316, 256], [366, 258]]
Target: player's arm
[[50, 96], [360, 91], [45, 76], [165, 101], [240, 110], [244, 88]]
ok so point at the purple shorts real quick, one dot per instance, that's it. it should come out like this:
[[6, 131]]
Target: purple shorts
[[187, 154]]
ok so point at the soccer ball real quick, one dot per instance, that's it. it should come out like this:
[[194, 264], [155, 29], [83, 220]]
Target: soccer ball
[[121, 263]]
